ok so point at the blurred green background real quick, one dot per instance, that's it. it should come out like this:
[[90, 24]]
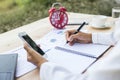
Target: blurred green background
[[15, 13]]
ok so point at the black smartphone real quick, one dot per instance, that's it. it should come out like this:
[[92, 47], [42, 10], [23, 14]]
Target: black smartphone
[[24, 36]]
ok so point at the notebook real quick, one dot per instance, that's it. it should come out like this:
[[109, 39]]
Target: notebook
[[8, 64], [76, 58], [72, 62]]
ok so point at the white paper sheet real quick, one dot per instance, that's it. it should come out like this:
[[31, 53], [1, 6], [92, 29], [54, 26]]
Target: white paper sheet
[[74, 63], [89, 49], [54, 37], [23, 66]]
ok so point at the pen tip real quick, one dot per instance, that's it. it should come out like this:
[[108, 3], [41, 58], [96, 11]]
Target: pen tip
[[65, 43]]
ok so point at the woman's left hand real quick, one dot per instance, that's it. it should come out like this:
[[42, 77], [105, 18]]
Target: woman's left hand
[[33, 56]]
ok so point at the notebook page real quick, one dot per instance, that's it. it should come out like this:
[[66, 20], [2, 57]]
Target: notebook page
[[74, 63], [92, 49], [74, 52]]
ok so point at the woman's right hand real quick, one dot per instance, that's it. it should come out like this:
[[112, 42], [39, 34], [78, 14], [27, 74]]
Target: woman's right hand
[[80, 37]]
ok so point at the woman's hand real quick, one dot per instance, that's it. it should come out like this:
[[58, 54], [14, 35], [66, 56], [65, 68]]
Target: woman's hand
[[33, 56], [80, 37]]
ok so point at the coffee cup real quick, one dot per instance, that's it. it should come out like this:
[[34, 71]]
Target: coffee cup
[[98, 21]]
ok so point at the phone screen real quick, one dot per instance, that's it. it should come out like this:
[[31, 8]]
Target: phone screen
[[32, 44]]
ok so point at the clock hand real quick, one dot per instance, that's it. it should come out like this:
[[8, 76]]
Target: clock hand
[[61, 17]]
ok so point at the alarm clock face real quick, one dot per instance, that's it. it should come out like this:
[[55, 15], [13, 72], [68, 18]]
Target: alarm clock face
[[59, 19]]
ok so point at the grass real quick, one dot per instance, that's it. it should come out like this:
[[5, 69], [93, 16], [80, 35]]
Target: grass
[[18, 16], [6, 5], [15, 13]]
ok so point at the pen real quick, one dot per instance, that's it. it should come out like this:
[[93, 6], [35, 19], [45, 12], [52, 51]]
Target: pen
[[78, 29], [76, 24]]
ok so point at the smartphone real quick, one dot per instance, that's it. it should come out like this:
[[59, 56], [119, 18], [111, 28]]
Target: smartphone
[[24, 36]]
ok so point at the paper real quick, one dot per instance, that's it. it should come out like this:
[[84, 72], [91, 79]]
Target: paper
[[54, 38], [74, 52], [23, 66], [94, 50], [74, 63]]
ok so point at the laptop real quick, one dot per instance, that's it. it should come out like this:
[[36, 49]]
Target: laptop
[[8, 64]]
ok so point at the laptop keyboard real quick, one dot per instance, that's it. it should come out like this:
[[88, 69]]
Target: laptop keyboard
[[5, 75]]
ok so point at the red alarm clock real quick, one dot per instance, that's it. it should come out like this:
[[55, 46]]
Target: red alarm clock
[[58, 17]]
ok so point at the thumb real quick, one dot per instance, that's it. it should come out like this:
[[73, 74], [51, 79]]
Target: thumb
[[28, 49]]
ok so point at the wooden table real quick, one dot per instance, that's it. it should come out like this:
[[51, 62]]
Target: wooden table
[[9, 40]]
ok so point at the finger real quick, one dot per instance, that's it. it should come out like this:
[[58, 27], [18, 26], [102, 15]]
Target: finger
[[69, 33], [29, 58], [72, 38], [71, 43], [26, 47], [28, 54], [29, 50]]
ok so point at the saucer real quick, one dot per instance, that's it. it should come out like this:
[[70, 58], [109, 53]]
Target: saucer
[[103, 27]]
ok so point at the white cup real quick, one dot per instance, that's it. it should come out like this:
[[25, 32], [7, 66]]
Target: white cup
[[98, 21]]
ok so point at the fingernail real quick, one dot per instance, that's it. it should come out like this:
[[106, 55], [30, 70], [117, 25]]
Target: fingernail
[[70, 39]]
